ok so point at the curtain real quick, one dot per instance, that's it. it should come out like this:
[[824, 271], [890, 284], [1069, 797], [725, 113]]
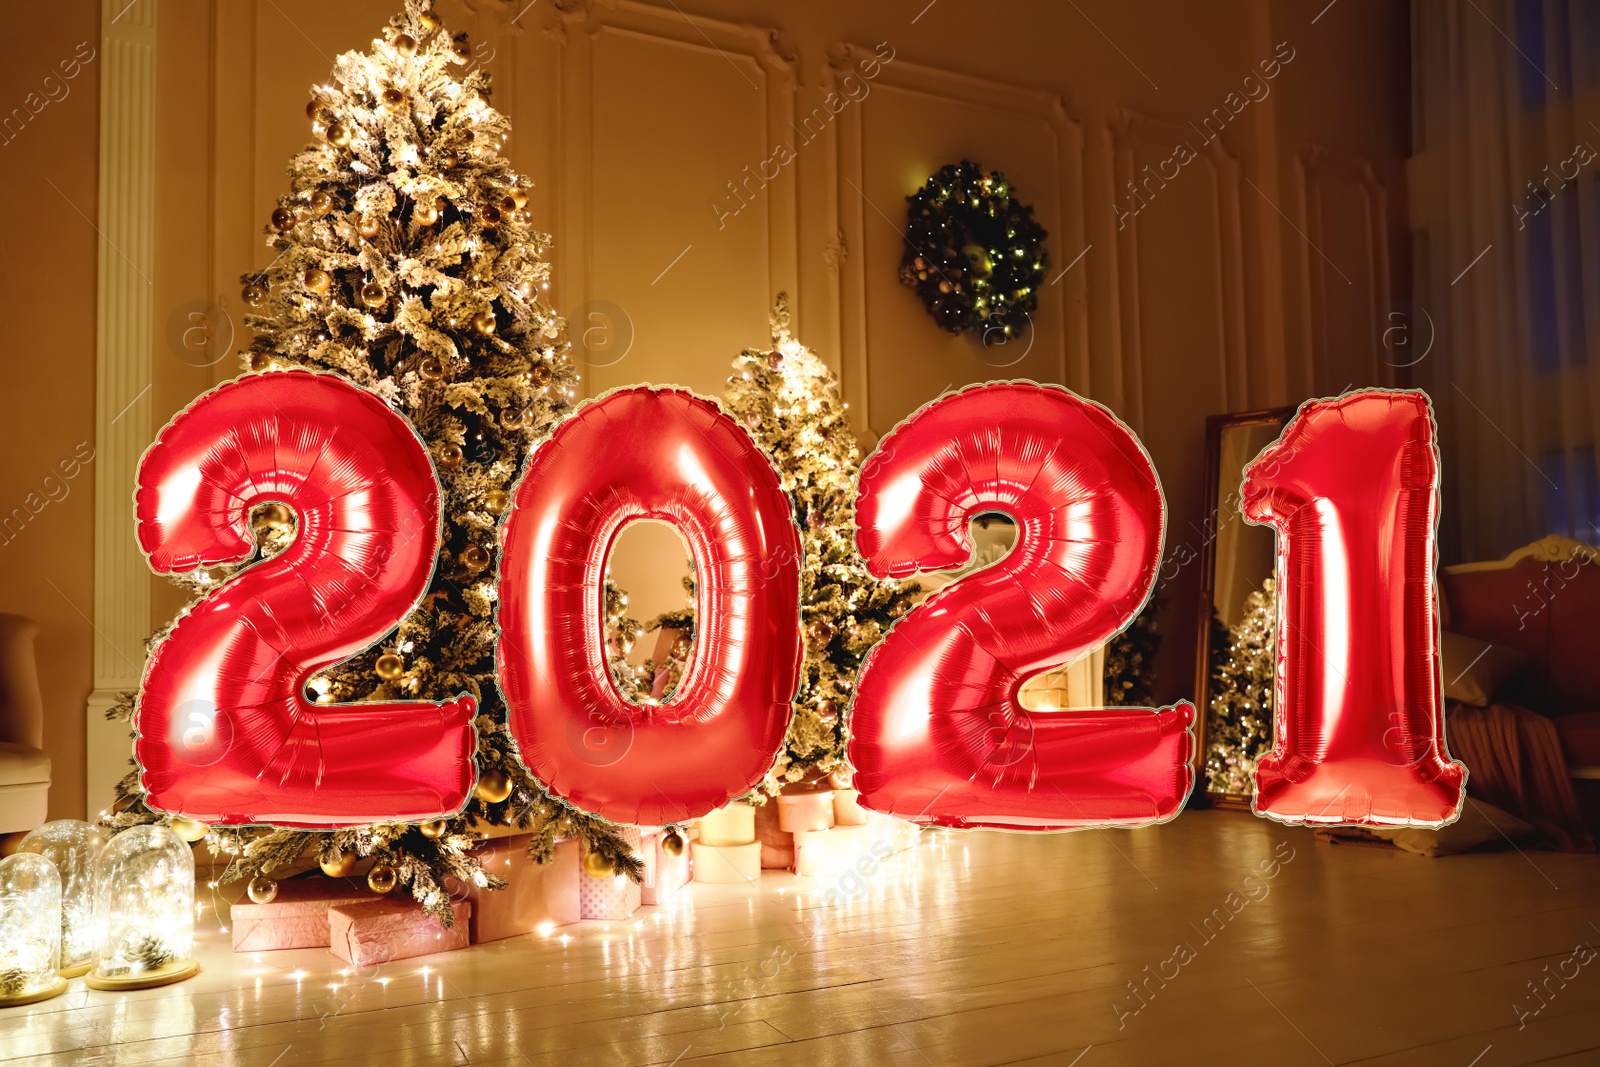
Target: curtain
[[1505, 209]]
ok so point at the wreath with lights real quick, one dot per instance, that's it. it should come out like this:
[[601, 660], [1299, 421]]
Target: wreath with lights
[[974, 253]]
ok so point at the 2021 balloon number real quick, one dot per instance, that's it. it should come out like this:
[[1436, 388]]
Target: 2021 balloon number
[[939, 732]]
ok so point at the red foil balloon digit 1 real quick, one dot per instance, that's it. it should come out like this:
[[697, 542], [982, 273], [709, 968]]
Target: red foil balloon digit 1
[[674, 457], [1351, 487], [938, 734], [225, 733]]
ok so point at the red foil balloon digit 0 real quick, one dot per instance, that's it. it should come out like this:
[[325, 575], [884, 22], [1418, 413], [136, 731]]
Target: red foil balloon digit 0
[[1351, 487], [225, 733], [938, 733], [671, 456]]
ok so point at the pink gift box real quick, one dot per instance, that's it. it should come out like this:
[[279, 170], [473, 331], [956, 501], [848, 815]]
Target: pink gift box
[[377, 931], [664, 875], [296, 918], [614, 897], [799, 812], [537, 893]]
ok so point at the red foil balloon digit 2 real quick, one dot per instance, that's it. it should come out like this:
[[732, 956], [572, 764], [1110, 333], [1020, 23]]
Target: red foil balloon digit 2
[[938, 733], [225, 732]]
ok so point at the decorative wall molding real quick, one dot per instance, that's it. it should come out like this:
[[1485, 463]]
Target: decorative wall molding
[[763, 54], [123, 357], [1318, 170], [848, 214], [1128, 130]]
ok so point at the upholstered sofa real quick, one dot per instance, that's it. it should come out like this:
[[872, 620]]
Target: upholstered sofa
[[24, 767]]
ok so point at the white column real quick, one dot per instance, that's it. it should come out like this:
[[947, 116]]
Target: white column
[[123, 361]]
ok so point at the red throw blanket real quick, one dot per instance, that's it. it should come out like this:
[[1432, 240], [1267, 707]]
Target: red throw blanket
[[1514, 761]]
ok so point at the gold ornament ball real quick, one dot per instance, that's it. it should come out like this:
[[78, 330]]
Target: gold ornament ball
[[405, 44], [317, 280], [338, 134], [491, 215], [474, 558], [513, 419], [389, 666], [273, 517], [672, 844], [434, 829], [430, 21], [339, 865], [462, 50], [260, 361], [393, 100], [312, 107], [541, 374], [753, 421], [189, 829], [369, 227], [321, 202], [596, 865], [820, 632], [497, 500], [450, 454], [282, 219], [483, 322], [425, 214], [508, 204], [255, 294], [430, 369], [493, 786], [519, 198], [382, 879], [262, 889], [827, 711], [774, 360], [372, 295]]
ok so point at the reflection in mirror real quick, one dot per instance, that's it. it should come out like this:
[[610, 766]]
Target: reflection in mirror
[[648, 611], [1236, 661]]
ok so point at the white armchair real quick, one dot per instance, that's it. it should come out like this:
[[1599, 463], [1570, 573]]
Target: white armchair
[[24, 767]]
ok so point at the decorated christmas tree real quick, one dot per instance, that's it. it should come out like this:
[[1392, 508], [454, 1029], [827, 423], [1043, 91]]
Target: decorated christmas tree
[[404, 259], [789, 401], [1243, 669], [1128, 674]]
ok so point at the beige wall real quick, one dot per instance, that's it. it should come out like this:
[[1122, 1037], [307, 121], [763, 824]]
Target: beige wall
[[47, 360], [633, 118]]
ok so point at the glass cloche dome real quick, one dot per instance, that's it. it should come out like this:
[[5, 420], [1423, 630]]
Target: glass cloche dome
[[30, 930], [144, 910], [71, 845]]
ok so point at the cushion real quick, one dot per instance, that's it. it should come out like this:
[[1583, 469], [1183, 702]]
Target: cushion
[[1580, 738], [21, 765], [1479, 824], [1475, 670]]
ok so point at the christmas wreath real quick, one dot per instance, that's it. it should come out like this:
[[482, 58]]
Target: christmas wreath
[[974, 253]]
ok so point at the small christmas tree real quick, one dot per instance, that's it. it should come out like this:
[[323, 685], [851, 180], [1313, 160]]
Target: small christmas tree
[[1243, 673], [789, 401], [406, 262]]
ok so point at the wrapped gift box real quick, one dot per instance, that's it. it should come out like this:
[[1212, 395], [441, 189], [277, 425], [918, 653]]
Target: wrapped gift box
[[378, 931], [614, 897], [732, 825], [847, 809], [777, 844], [539, 896], [664, 875], [297, 917], [830, 853], [727, 863], [800, 812]]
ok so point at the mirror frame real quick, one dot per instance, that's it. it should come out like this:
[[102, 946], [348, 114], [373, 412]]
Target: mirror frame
[[1215, 424]]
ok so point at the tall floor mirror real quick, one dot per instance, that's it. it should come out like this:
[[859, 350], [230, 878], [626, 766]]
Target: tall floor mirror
[[1235, 665]]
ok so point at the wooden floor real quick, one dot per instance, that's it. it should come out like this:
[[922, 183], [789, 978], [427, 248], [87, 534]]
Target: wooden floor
[[977, 948]]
